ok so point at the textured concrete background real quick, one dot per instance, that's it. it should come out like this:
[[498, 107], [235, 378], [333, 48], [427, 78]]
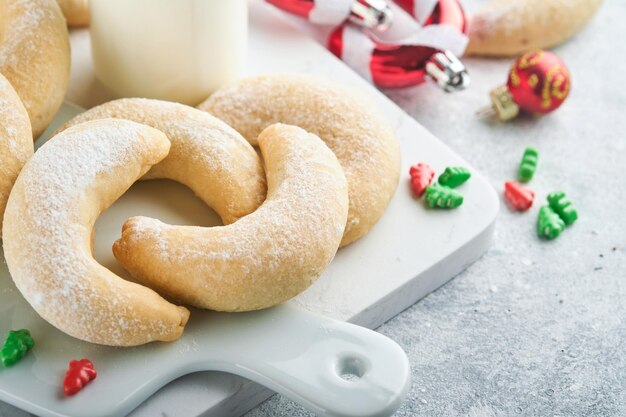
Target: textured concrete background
[[534, 328]]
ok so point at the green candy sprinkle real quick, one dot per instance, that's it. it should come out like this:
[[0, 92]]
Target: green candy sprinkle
[[454, 176], [528, 166], [441, 196], [549, 224], [17, 345], [563, 207]]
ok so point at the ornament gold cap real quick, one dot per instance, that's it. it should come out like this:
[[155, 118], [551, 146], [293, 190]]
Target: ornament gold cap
[[503, 104]]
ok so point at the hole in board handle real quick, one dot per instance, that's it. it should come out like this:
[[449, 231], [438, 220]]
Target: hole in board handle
[[351, 368]]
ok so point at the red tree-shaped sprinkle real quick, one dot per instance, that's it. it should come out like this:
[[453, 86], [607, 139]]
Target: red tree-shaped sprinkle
[[421, 177], [520, 198], [79, 374]]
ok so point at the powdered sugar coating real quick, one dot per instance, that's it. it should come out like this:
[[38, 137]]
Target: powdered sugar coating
[[35, 56], [16, 141], [207, 155], [510, 27], [48, 227], [262, 259], [347, 122]]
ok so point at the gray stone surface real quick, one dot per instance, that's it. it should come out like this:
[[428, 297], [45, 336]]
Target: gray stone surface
[[534, 328]]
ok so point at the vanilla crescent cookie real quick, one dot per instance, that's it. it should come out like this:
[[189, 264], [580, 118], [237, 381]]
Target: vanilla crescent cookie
[[35, 56], [364, 143], [512, 27], [262, 259], [16, 140], [207, 155], [48, 227], [76, 12]]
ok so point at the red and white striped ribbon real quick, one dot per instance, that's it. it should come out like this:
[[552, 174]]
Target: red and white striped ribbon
[[330, 12], [422, 9], [359, 43], [357, 51], [358, 46], [334, 12]]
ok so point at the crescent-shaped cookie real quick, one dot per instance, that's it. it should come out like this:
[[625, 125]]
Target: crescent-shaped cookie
[[16, 140], [35, 56], [262, 259], [207, 155], [364, 143], [512, 27], [48, 228], [76, 12]]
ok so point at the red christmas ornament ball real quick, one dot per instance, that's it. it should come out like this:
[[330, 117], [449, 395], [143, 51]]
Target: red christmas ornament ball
[[539, 82]]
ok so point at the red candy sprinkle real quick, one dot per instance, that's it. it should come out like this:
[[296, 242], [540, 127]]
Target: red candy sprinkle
[[421, 177], [520, 198], [79, 374]]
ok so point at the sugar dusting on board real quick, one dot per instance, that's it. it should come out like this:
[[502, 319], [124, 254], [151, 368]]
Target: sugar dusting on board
[[50, 217]]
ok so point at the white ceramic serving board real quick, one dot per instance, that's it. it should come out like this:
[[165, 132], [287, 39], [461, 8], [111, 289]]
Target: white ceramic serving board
[[411, 252]]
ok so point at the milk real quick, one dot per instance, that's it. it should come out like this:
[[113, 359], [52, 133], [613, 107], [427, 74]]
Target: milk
[[177, 50]]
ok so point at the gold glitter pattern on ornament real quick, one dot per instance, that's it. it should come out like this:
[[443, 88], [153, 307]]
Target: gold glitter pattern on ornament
[[533, 80], [529, 59], [526, 61], [556, 85], [514, 77]]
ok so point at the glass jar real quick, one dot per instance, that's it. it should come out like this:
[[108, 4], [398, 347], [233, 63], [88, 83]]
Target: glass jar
[[176, 50]]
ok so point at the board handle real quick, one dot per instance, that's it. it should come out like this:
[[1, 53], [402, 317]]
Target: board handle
[[330, 367]]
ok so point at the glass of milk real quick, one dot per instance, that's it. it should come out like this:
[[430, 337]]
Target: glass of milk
[[176, 50]]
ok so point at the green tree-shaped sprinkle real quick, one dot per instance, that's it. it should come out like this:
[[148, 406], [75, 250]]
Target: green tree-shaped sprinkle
[[528, 166], [443, 197], [18, 343], [563, 207], [454, 176], [549, 224]]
